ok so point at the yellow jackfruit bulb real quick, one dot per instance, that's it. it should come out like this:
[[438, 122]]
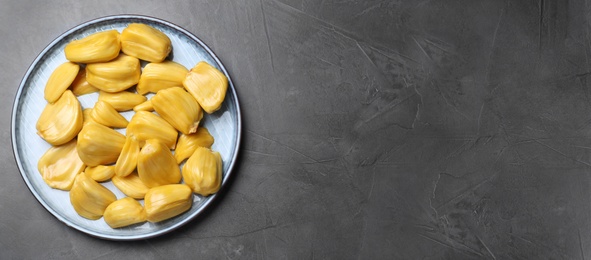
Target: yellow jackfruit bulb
[[60, 165], [97, 47], [208, 86], [122, 101], [131, 185], [178, 108], [86, 117], [59, 80], [203, 171], [167, 201], [115, 75], [100, 173], [145, 42], [127, 160], [156, 165], [187, 144], [146, 106], [89, 198], [124, 212], [145, 125], [61, 121], [162, 75], [105, 114], [80, 85], [98, 144]]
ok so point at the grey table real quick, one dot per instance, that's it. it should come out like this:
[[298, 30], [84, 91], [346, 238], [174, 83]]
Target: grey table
[[372, 130]]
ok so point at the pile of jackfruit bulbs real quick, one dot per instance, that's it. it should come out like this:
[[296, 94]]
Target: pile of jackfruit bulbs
[[86, 148]]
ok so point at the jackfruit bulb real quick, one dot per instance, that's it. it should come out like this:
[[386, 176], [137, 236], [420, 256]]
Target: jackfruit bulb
[[89, 198], [187, 144], [161, 75], [60, 165], [61, 121], [208, 86], [146, 125], [124, 212], [115, 75], [203, 171], [59, 80], [178, 108], [98, 144], [164, 202], [97, 47], [156, 165], [145, 42]]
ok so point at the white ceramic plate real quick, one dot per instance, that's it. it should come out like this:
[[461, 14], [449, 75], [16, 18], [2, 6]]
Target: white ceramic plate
[[28, 147]]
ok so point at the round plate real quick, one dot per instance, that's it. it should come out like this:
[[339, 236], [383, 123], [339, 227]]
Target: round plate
[[28, 147]]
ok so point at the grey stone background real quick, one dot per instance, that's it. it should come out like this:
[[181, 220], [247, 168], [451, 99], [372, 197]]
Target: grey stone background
[[372, 130]]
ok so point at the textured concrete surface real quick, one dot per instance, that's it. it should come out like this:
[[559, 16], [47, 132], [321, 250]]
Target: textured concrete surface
[[372, 130]]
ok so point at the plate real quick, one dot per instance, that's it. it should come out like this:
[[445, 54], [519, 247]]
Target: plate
[[28, 147]]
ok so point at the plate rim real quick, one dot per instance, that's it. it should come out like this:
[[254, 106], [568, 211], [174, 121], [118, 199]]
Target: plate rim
[[51, 45]]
